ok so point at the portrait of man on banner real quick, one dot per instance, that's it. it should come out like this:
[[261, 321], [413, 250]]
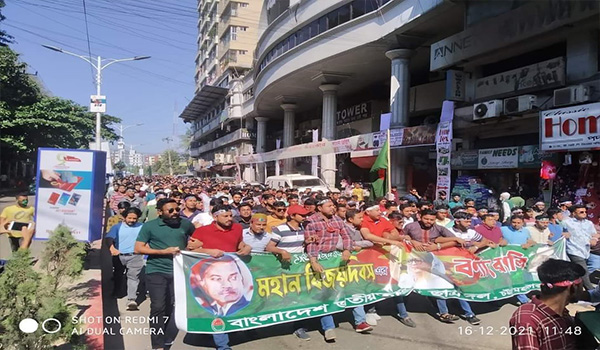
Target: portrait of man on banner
[[222, 286]]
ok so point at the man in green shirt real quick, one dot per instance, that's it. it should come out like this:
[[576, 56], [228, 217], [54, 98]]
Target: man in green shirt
[[161, 239]]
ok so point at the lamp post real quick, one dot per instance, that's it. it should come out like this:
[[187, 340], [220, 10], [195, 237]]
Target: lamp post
[[99, 67], [125, 127]]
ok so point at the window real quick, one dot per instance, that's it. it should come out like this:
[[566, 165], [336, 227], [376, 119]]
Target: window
[[371, 5], [344, 14], [302, 35], [313, 29], [233, 32], [242, 4], [333, 19], [322, 24]]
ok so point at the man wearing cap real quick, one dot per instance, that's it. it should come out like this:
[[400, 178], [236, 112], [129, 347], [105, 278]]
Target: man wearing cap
[[220, 237], [322, 233], [564, 205], [189, 210], [540, 232], [255, 235]]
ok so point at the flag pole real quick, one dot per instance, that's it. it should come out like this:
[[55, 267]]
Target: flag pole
[[389, 163]]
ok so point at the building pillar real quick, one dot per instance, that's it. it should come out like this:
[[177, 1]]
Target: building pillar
[[261, 141], [399, 107], [289, 126], [328, 131]]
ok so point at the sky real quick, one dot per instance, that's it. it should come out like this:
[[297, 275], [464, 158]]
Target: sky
[[152, 92]]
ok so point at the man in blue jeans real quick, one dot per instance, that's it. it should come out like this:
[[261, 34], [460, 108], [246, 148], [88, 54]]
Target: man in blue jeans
[[161, 239]]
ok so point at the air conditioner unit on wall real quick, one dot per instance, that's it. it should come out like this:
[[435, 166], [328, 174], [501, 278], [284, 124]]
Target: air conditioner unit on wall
[[488, 109], [520, 104], [571, 95]]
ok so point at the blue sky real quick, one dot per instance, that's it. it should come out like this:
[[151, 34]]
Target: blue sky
[[152, 92]]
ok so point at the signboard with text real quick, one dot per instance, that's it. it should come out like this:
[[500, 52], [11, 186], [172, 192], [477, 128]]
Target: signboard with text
[[499, 158], [570, 128], [98, 103], [70, 192]]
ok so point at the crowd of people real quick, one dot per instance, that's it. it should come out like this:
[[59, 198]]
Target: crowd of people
[[158, 217]]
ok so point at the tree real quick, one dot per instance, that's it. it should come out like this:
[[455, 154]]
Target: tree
[[27, 293], [120, 165], [162, 166], [5, 38], [29, 120]]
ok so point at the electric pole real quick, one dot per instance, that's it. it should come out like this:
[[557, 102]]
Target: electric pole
[[168, 140]]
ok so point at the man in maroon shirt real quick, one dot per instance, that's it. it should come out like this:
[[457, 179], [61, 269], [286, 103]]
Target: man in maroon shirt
[[488, 229], [220, 237], [545, 323]]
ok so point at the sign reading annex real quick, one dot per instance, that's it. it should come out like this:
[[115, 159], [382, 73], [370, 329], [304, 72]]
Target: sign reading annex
[[570, 128]]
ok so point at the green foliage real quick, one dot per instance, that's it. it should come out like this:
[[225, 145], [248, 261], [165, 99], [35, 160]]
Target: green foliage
[[5, 38], [63, 257], [29, 120], [120, 165], [162, 166], [27, 293]]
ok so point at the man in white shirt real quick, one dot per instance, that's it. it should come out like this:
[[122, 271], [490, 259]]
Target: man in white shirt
[[540, 232], [473, 240]]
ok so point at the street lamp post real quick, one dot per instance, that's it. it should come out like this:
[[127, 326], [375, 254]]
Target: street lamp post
[[123, 128], [99, 67]]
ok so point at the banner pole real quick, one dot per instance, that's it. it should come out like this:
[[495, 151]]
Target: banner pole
[[389, 163]]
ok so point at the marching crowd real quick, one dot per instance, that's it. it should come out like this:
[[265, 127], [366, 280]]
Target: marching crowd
[[158, 217]]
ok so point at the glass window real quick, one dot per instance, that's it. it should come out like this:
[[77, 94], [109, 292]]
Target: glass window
[[344, 14], [323, 24], [292, 41], [313, 29], [358, 8], [333, 19], [303, 35], [371, 5], [286, 44]]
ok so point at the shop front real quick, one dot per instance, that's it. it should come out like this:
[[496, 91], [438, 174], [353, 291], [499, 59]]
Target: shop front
[[485, 173], [573, 135]]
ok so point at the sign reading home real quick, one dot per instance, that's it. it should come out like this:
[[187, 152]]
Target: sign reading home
[[571, 128], [353, 113], [527, 21]]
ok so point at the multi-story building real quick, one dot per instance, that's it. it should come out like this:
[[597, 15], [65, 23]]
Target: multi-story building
[[227, 35], [332, 68]]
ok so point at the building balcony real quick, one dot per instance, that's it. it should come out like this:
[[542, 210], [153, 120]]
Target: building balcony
[[238, 135]]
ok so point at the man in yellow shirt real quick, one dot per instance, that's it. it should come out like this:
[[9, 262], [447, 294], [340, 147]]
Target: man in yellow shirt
[[278, 216], [19, 212], [358, 191]]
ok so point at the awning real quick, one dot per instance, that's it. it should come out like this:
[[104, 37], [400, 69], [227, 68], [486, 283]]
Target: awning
[[207, 97], [221, 167]]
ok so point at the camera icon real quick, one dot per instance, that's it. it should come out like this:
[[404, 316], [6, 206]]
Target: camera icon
[[29, 325]]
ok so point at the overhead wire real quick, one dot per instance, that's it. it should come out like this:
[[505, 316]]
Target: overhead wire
[[87, 34]]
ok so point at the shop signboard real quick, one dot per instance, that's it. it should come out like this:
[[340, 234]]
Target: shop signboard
[[530, 156], [571, 128], [465, 160], [499, 158], [70, 191], [353, 113], [546, 74]]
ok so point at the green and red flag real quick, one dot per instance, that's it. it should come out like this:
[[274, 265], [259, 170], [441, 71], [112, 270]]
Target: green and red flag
[[379, 171]]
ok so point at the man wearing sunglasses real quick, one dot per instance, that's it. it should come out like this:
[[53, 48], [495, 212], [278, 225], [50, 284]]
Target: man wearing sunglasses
[[161, 239], [277, 217], [583, 237]]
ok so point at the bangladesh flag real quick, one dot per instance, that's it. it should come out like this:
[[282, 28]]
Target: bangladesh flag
[[379, 170]]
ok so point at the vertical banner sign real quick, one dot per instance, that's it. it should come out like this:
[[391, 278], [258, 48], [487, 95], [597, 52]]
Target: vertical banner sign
[[443, 145], [315, 159], [98, 103], [277, 165], [70, 191]]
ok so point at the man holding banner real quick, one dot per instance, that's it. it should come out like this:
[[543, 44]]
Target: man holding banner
[[322, 233]]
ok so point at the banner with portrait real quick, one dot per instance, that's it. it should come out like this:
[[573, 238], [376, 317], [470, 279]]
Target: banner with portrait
[[233, 293]]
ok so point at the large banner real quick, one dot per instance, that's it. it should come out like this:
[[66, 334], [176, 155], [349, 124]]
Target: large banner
[[570, 128], [70, 191], [232, 293], [404, 137]]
